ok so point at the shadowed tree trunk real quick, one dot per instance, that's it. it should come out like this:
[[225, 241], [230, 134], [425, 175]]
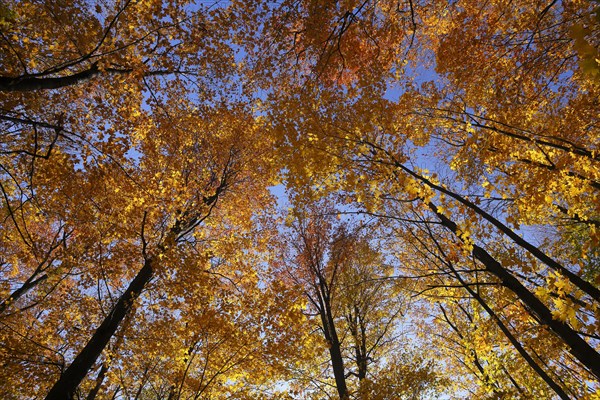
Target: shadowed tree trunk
[[65, 387], [577, 346], [330, 333], [72, 377]]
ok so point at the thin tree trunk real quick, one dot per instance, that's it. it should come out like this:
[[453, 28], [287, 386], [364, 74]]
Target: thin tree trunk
[[99, 379], [32, 83], [24, 288], [485, 378], [535, 251], [582, 284], [360, 342]]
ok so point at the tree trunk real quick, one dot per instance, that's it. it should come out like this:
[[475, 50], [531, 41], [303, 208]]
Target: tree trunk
[[335, 351], [512, 339], [582, 284], [65, 387], [99, 379], [27, 84], [24, 288], [577, 346]]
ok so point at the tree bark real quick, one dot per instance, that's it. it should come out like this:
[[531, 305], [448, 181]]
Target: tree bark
[[65, 387], [24, 288], [335, 351], [485, 378], [535, 251], [31, 83], [582, 284], [582, 351], [99, 379], [28, 83], [511, 338]]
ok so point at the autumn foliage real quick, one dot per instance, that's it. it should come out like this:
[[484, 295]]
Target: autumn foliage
[[299, 199]]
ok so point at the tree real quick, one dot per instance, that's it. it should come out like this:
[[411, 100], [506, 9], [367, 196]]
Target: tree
[[142, 183], [355, 305], [138, 143], [499, 140]]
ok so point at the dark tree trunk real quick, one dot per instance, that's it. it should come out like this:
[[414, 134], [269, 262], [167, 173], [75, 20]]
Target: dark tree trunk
[[65, 387], [31, 83], [512, 339], [335, 351], [582, 284], [99, 379], [485, 378], [24, 288], [577, 346], [28, 83], [358, 332]]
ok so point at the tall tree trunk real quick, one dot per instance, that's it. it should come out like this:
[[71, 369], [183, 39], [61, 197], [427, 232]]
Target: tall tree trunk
[[511, 338], [358, 332], [582, 284], [29, 83], [335, 350], [72, 377], [24, 288], [585, 353], [485, 377], [65, 387], [575, 279], [99, 379]]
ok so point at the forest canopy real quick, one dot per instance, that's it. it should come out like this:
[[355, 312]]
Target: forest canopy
[[299, 199]]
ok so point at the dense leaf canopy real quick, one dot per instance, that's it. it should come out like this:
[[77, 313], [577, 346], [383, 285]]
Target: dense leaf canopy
[[299, 199]]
